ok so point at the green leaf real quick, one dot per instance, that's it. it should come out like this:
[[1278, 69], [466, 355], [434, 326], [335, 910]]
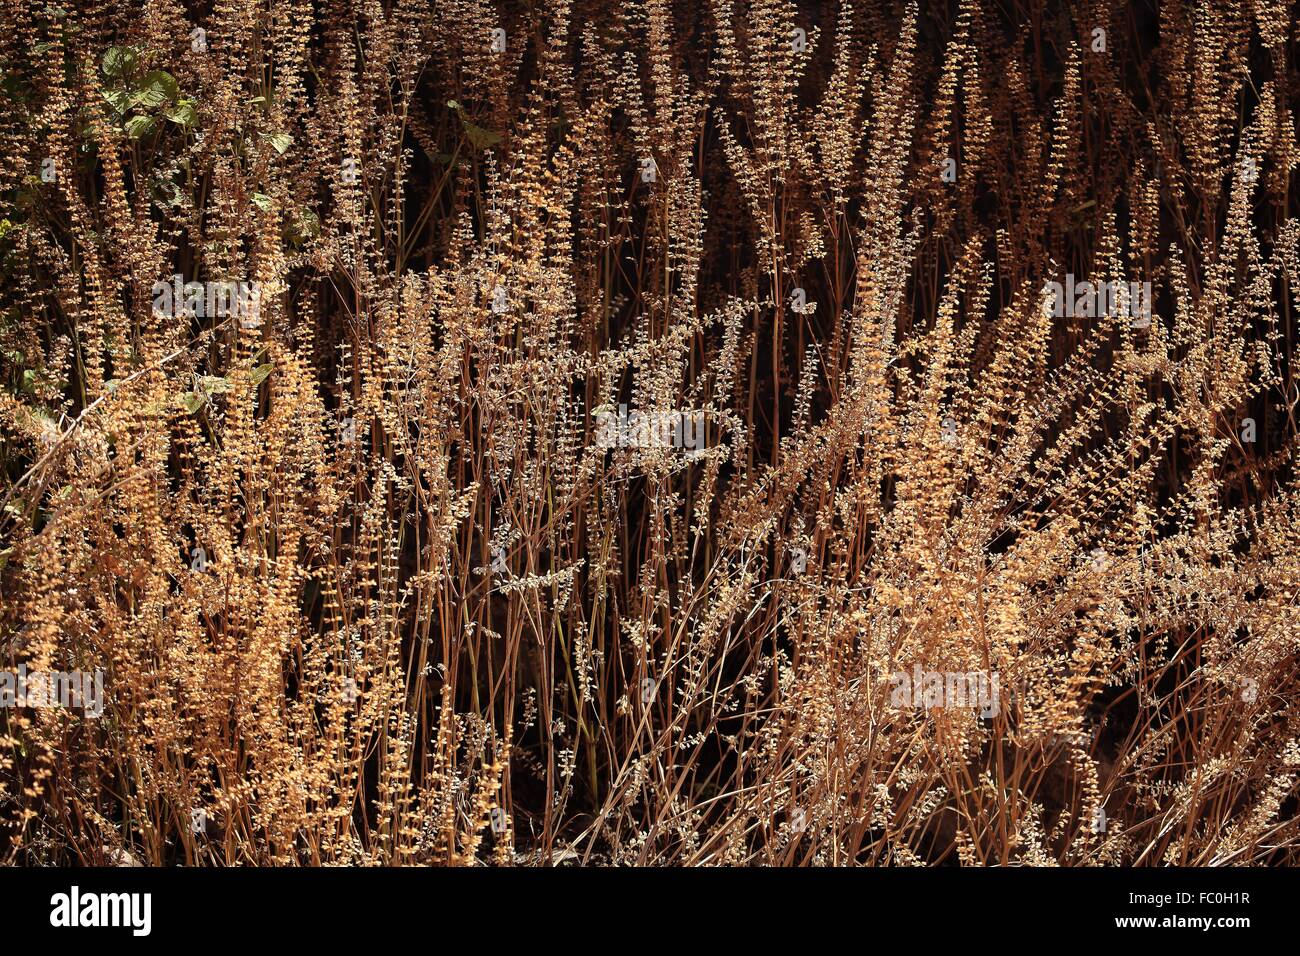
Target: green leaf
[[166, 191], [480, 137], [280, 142], [192, 401], [262, 202], [183, 114], [118, 99], [119, 61], [46, 419], [137, 126], [157, 87], [214, 384], [305, 225], [260, 372]]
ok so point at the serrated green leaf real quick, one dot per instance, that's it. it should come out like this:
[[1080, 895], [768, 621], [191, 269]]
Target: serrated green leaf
[[118, 99], [166, 191], [183, 114], [260, 372], [480, 137], [137, 126], [280, 142], [305, 225], [157, 87], [119, 61], [214, 384]]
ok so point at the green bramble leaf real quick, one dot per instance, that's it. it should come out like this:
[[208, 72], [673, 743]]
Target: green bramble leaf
[[120, 100], [480, 137], [305, 225], [183, 114], [157, 87], [280, 142], [214, 384], [119, 61], [138, 126]]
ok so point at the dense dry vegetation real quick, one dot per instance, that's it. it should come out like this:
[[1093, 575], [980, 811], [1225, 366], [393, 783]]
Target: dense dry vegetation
[[366, 588]]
